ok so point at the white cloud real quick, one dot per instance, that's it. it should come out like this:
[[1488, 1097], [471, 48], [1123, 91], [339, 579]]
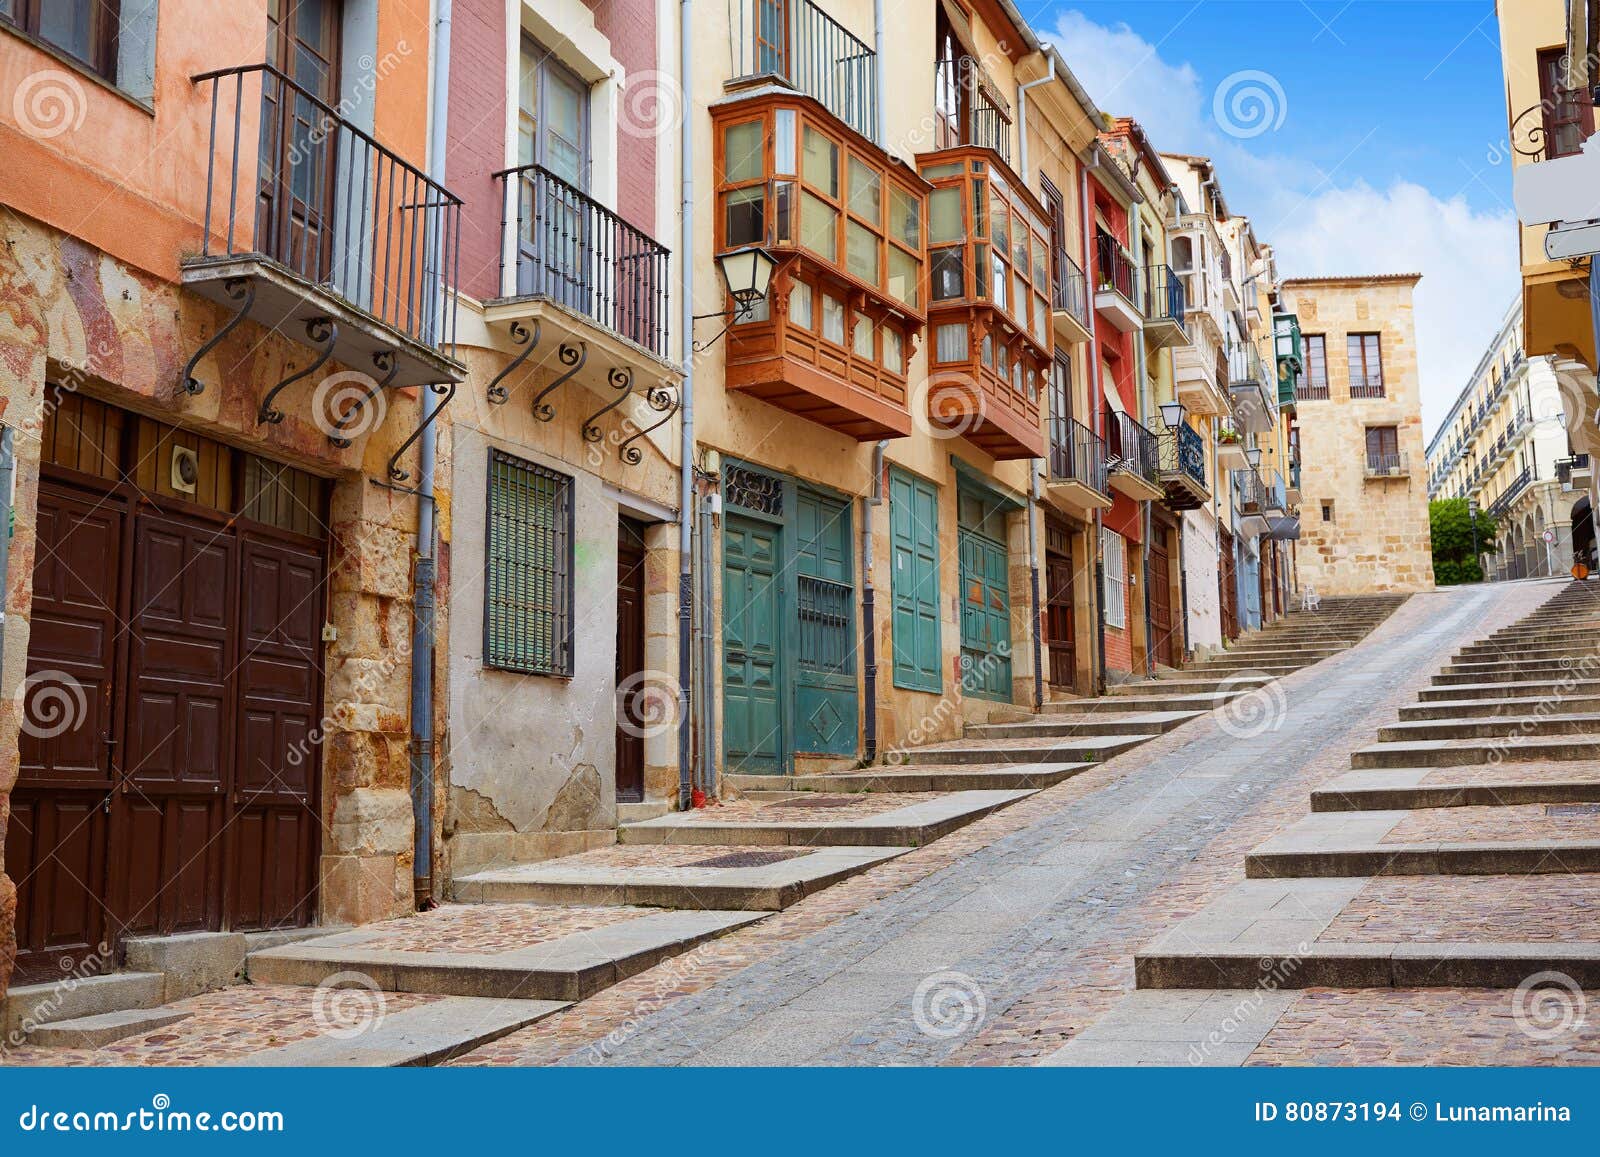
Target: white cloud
[[1317, 223]]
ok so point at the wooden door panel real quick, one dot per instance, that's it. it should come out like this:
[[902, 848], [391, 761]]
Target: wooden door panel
[[631, 721], [752, 732]]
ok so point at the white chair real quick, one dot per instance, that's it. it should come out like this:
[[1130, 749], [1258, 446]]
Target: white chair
[[1311, 600]]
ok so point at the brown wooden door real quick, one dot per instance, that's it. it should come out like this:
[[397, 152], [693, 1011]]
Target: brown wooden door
[[1230, 589], [167, 842], [299, 154], [55, 846], [1160, 579], [630, 661], [1058, 617], [273, 830]]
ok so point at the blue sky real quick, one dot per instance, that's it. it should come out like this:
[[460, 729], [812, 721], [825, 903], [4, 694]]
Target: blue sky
[[1377, 144]]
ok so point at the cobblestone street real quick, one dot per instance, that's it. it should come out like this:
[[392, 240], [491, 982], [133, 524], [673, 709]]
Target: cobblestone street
[[1005, 941]]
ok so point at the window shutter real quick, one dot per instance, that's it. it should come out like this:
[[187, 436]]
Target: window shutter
[[527, 605]]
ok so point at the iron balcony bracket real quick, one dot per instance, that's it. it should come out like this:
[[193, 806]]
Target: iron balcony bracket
[[386, 364], [573, 358], [529, 341], [321, 333], [621, 380], [665, 401], [243, 291], [447, 391]]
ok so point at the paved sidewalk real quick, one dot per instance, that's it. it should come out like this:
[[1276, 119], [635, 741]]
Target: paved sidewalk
[[1002, 942]]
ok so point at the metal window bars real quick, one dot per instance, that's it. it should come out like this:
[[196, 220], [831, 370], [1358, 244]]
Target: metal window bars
[[1077, 453]]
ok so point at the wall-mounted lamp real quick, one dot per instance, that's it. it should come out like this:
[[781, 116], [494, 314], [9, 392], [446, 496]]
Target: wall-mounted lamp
[[747, 276], [1172, 414], [1253, 456]]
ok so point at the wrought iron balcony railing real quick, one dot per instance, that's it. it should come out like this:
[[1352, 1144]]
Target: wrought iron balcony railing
[[1273, 493], [1114, 268], [1070, 294], [1245, 367], [574, 251], [1388, 465], [970, 111], [1555, 127], [1511, 493], [310, 192], [1182, 451], [1250, 493], [1163, 295], [1131, 447], [1077, 454], [799, 44]]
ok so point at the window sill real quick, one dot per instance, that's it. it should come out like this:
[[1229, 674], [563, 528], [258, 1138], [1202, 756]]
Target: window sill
[[68, 61]]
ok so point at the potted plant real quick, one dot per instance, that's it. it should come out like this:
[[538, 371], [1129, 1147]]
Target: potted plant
[[1230, 448]]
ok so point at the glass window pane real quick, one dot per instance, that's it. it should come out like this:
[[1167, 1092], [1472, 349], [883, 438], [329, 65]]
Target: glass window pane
[[861, 251], [783, 212], [865, 193], [818, 226], [66, 24], [997, 270], [945, 274], [1041, 261], [1019, 298], [980, 263], [905, 217], [741, 149], [999, 219], [934, 172], [800, 304], [783, 142], [944, 216], [743, 215], [950, 343], [980, 210], [833, 319], [820, 164], [902, 284], [1019, 252], [861, 341], [893, 351]]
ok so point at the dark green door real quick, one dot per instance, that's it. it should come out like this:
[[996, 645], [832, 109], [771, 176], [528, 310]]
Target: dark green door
[[985, 599], [825, 707], [914, 581], [752, 732]]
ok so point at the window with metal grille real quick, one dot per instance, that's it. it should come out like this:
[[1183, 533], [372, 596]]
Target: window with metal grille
[[527, 604], [1114, 569]]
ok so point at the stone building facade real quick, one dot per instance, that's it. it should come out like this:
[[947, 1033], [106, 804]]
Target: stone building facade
[[1364, 527]]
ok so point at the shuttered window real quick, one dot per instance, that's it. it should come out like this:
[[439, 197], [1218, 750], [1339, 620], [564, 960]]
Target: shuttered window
[[1116, 579], [914, 581], [527, 605]]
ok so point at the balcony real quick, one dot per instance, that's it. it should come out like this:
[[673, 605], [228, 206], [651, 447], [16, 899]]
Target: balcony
[[1163, 307], [969, 108], [1069, 301], [1077, 479], [1274, 494], [799, 45], [1181, 455], [1250, 504], [1197, 383], [1574, 473], [1292, 490], [1116, 294], [1508, 497], [1286, 347], [1133, 458], [315, 231], [1379, 466], [1254, 395], [989, 302], [834, 339]]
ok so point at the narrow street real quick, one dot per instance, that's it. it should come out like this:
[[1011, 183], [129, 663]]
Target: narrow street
[[1005, 941]]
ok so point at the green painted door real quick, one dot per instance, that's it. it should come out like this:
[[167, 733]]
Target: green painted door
[[914, 581], [826, 710], [985, 599], [752, 656]]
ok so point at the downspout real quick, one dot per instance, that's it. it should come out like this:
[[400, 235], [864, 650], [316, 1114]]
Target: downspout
[[1097, 386], [1033, 578], [869, 629], [881, 121], [1142, 375], [1022, 112], [422, 602], [686, 488]]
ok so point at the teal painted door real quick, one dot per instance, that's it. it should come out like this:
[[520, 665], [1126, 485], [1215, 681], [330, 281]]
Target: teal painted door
[[752, 654], [826, 709], [914, 581], [985, 600]]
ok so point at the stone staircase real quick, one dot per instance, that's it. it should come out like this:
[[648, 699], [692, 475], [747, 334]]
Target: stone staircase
[[1461, 850]]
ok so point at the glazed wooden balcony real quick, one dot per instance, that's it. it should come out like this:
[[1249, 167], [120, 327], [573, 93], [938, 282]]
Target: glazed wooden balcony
[[989, 302], [833, 340]]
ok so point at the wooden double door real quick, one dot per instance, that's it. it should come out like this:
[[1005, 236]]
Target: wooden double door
[[1168, 649], [1059, 626], [169, 738]]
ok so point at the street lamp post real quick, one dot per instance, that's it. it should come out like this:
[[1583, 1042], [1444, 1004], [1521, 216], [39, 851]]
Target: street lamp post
[[1472, 519]]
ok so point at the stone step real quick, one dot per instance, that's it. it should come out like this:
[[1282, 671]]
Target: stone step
[[1491, 672], [729, 880], [1507, 727], [90, 1032], [1454, 677], [1094, 747], [812, 819], [1471, 964], [1125, 703], [1466, 752], [1411, 788], [1192, 684], [908, 778], [35, 1004], [566, 966], [1132, 723], [429, 1034], [1225, 667], [1491, 708], [1510, 689], [1513, 654]]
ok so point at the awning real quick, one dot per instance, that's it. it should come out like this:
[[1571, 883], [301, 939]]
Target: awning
[[1284, 528]]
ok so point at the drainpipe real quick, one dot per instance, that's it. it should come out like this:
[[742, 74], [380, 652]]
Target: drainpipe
[[686, 489], [707, 781], [8, 469], [422, 603], [1022, 112], [1141, 375], [1034, 465], [1098, 415], [881, 121], [869, 630]]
